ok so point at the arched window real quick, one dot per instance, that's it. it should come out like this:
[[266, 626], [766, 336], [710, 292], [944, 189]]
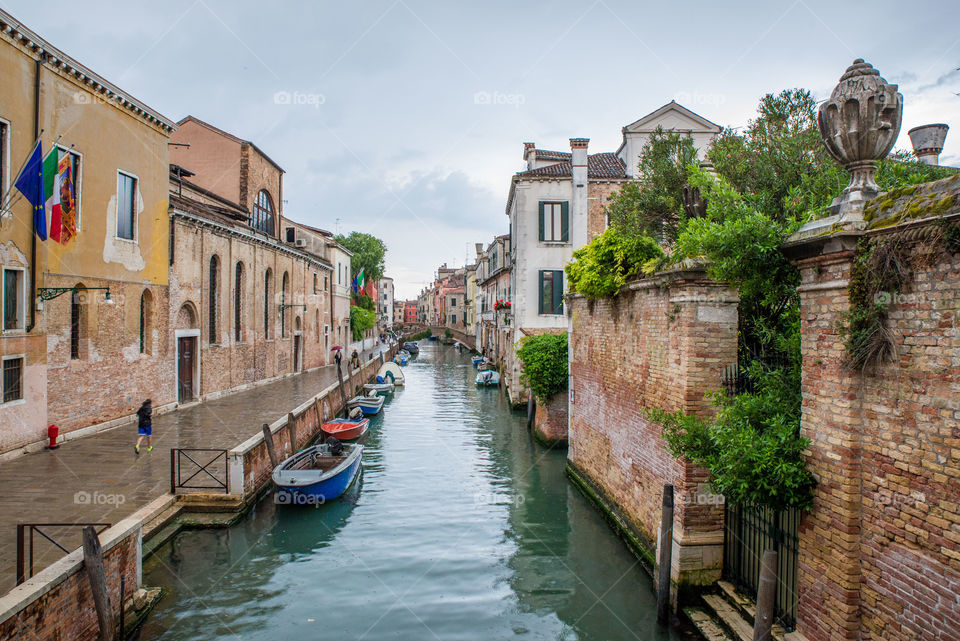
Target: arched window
[[285, 283], [263, 212], [267, 277], [146, 315], [214, 295], [238, 303], [78, 320]]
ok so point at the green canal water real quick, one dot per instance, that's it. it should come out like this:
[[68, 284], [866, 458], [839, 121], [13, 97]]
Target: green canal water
[[461, 527]]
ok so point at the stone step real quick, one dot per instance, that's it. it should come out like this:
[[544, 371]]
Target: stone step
[[730, 617], [704, 623], [747, 608]]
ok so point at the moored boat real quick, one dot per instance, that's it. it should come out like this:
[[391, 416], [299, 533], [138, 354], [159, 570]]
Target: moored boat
[[476, 360], [369, 405], [413, 348], [488, 378], [390, 372], [380, 388], [318, 474], [346, 429]]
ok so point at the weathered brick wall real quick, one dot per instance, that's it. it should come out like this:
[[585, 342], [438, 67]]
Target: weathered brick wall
[[550, 421], [67, 611], [659, 343], [112, 377], [880, 551]]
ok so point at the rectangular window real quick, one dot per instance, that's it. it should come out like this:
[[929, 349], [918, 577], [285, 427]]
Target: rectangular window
[[551, 291], [12, 298], [555, 222], [453, 302], [126, 205], [12, 379], [4, 157], [454, 317]]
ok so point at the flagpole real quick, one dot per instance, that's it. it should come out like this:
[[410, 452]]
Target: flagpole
[[6, 194]]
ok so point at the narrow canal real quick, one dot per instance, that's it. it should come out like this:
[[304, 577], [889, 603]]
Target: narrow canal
[[461, 527]]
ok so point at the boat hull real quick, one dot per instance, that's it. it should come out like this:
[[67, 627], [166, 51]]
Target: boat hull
[[369, 405], [346, 429], [310, 487]]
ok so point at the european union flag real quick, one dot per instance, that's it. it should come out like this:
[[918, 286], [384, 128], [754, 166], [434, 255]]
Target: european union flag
[[30, 184]]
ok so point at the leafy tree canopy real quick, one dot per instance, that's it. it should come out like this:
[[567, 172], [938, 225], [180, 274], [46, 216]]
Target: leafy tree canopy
[[368, 253], [544, 365], [360, 321]]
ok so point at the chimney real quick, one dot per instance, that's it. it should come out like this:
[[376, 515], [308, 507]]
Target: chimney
[[528, 148], [578, 202], [927, 142]]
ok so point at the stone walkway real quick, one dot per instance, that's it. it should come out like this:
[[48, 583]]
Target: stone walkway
[[100, 479]]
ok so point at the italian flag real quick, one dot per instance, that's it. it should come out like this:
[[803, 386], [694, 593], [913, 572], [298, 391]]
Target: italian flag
[[60, 195]]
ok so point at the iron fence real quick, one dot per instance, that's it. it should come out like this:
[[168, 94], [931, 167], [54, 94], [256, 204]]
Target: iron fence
[[214, 471], [26, 543], [749, 531]]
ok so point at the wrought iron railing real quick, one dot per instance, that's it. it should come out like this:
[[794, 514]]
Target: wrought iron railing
[[213, 474], [749, 531], [26, 543]]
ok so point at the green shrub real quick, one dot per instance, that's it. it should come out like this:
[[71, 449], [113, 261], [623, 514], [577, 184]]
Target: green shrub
[[420, 336], [608, 262], [360, 321], [753, 448], [544, 366]]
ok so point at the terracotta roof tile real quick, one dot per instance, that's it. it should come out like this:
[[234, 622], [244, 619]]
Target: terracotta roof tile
[[599, 166]]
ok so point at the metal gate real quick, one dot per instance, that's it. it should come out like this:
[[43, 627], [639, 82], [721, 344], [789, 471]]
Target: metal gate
[[748, 532]]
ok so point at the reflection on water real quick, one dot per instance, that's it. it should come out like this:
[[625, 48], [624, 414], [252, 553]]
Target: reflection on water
[[460, 527]]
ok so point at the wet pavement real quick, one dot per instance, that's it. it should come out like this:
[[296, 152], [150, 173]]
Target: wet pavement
[[100, 479]]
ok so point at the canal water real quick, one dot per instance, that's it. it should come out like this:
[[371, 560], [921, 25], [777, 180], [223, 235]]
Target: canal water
[[461, 527]]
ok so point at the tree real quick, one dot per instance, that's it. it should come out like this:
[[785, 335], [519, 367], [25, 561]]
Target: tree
[[544, 364], [368, 254], [652, 205]]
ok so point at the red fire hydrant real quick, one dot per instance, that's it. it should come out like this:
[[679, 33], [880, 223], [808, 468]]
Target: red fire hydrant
[[52, 432]]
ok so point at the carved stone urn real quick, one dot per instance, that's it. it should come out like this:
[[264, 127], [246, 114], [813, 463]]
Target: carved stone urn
[[859, 125]]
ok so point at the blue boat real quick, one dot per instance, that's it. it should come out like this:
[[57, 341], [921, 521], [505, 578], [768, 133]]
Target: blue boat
[[316, 475], [413, 348], [488, 378], [369, 405], [476, 360], [431, 338]]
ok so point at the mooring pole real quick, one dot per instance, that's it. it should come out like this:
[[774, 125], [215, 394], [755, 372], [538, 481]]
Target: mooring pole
[[666, 552], [531, 410], [93, 563], [268, 439], [343, 394], [766, 596], [292, 429]]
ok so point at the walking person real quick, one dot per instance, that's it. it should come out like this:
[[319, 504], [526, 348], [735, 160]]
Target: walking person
[[145, 425], [355, 360]]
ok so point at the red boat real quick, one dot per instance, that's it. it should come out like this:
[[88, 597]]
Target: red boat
[[346, 429]]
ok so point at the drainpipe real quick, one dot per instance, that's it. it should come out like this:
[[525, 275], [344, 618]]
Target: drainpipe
[[33, 235]]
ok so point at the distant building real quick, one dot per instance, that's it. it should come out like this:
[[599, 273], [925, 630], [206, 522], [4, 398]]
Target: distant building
[[385, 302]]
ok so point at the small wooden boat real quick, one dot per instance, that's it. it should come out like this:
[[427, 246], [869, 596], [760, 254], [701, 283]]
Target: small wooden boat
[[488, 378], [346, 429], [431, 338], [369, 405], [486, 365], [380, 388], [413, 348], [390, 372], [476, 360], [316, 475]]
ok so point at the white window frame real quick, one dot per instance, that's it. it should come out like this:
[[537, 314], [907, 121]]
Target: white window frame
[[7, 179], [22, 300], [136, 217], [77, 182], [23, 378]]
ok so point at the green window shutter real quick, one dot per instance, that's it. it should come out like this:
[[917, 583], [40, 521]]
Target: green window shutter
[[541, 220], [565, 222], [540, 297], [558, 292]]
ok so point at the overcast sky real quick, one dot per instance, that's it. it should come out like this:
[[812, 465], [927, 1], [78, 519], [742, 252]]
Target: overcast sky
[[406, 119]]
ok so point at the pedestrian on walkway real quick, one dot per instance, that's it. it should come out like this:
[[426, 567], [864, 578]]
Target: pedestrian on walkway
[[145, 425], [355, 360], [338, 357]]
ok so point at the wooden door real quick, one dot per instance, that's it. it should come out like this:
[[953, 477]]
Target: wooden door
[[296, 352], [186, 348]]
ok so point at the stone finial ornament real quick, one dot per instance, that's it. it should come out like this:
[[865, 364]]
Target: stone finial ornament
[[859, 125]]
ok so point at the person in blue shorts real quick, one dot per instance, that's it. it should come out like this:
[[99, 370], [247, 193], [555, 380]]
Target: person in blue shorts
[[144, 425]]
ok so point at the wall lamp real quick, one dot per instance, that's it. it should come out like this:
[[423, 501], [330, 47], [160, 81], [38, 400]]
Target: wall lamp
[[283, 307], [49, 293]]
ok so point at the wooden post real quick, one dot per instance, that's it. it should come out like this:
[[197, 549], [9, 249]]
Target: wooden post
[[531, 409], [268, 439], [173, 470], [666, 553], [292, 429], [343, 394], [93, 563], [766, 596], [21, 555]]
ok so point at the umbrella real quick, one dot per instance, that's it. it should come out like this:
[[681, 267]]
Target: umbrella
[[336, 348]]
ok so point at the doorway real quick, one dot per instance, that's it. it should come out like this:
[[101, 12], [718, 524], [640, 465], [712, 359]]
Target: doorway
[[186, 365], [297, 340]]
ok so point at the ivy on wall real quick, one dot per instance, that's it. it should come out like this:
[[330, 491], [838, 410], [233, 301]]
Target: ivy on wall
[[544, 367]]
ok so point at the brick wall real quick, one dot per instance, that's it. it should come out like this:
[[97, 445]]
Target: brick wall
[[550, 421], [659, 343], [880, 551]]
